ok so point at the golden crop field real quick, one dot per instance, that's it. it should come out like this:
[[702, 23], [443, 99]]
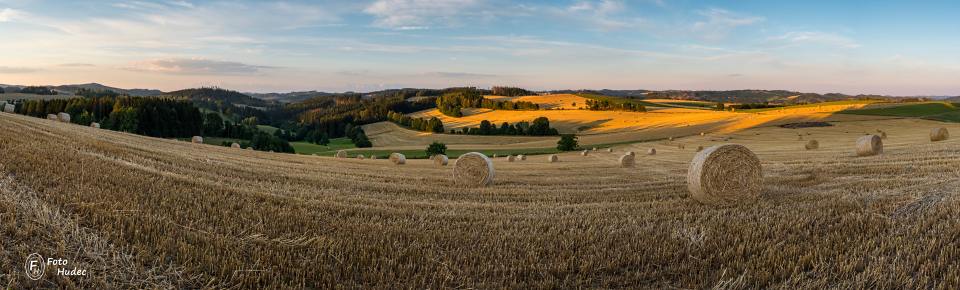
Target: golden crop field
[[548, 102], [142, 212]]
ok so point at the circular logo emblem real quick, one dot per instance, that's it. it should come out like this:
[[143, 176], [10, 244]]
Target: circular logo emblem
[[35, 266]]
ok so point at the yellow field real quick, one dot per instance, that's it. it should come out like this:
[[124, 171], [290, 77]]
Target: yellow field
[[548, 102], [142, 212]]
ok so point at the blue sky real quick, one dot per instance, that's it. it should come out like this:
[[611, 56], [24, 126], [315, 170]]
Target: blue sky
[[883, 47]]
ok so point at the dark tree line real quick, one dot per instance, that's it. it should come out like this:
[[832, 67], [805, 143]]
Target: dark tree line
[[509, 91], [539, 127], [452, 102], [420, 124], [755, 106], [606, 105], [37, 90], [156, 117], [327, 117]]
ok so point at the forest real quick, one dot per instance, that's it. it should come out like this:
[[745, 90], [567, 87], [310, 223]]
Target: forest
[[539, 127]]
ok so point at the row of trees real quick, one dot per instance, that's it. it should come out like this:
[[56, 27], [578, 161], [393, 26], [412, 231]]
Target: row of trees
[[539, 127], [754, 106], [37, 90], [156, 117], [420, 124], [452, 102], [509, 91], [607, 105]]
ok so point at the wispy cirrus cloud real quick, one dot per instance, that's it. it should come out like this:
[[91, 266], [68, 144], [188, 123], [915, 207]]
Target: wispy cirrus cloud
[[720, 22], [815, 37], [17, 70], [601, 14], [196, 66], [418, 14], [10, 14]]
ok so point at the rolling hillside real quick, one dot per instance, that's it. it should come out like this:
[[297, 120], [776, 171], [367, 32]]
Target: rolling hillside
[[159, 213]]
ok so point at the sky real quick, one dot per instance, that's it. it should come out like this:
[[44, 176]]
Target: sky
[[902, 48]]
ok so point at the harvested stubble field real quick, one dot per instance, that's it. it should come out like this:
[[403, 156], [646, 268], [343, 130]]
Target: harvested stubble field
[[162, 213]]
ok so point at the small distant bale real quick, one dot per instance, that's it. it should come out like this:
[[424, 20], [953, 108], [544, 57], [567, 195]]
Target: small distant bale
[[869, 145], [341, 154], [553, 158], [63, 117], [703, 134], [440, 160], [724, 174], [627, 161], [51, 117], [699, 148], [812, 145], [629, 153], [671, 138], [9, 108], [511, 158], [652, 151], [196, 139], [251, 148], [235, 145], [522, 157], [939, 134], [95, 125], [609, 150], [398, 159], [361, 157], [494, 155], [594, 148], [473, 169], [373, 157], [585, 153]]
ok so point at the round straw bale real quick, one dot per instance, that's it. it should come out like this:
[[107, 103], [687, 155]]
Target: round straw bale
[[594, 148], [702, 133], [398, 159], [373, 157], [627, 161], [341, 154], [360, 156], [63, 117], [671, 138], [553, 158], [812, 145], [629, 153], [9, 108], [652, 151], [196, 139], [724, 173], [699, 148], [494, 155], [585, 153], [440, 160], [235, 145], [869, 145], [939, 134], [51, 117], [511, 158], [95, 125], [251, 148], [473, 169], [609, 149]]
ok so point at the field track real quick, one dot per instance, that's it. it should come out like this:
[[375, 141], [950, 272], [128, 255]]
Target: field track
[[176, 214]]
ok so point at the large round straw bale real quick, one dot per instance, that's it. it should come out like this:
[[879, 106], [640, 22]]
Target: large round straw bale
[[511, 158], [585, 153], [63, 117], [398, 159], [341, 154], [652, 151], [360, 156], [196, 139], [939, 134], [235, 145], [869, 145], [724, 173], [553, 158], [812, 145], [440, 160], [9, 108], [473, 169], [627, 161], [95, 125]]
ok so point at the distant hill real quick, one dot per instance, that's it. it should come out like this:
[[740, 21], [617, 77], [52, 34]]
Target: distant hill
[[732, 96], [291, 97], [219, 95], [99, 87]]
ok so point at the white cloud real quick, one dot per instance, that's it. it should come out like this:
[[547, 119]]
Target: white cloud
[[195, 66], [719, 23], [600, 14], [418, 14], [9, 14], [16, 70], [813, 37]]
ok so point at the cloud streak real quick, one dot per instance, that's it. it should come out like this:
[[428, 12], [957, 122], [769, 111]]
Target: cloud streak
[[196, 66]]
